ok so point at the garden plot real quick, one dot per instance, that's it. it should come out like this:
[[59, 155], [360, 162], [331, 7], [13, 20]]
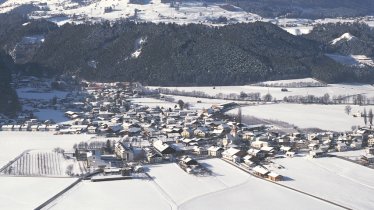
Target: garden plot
[[337, 180], [45, 163]]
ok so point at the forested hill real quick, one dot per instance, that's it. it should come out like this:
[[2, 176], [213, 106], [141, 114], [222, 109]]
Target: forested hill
[[9, 104], [169, 54]]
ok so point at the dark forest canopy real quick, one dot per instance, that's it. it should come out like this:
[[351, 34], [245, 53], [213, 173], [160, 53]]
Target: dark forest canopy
[[173, 54]]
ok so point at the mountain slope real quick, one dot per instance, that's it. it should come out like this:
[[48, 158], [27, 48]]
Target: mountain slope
[[9, 103], [175, 55]]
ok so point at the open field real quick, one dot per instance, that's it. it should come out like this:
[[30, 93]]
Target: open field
[[14, 143], [331, 89], [25, 193], [50, 114], [125, 194], [189, 186], [172, 188], [31, 93], [325, 117], [334, 179]]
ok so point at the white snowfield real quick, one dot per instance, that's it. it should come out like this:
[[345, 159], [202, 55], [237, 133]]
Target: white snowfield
[[147, 11], [331, 89], [32, 93], [50, 114], [325, 117], [337, 180], [25, 193], [13, 143], [172, 188], [343, 38], [133, 194]]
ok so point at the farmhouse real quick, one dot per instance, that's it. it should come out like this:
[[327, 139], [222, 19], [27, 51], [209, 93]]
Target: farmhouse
[[274, 177], [215, 151], [261, 171], [125, 152]]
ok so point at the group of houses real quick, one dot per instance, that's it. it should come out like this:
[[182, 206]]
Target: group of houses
[[157, 134]]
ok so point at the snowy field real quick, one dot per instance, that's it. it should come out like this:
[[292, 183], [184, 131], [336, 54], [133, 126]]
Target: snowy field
[[152, 102], [50, 114], [32, 93], [331, 89], [189, 186], [172, 188], [325, 117], [13, 143], [152, 10], [125, 194], [337, 180], [25, 193], [253, 193], [203, 103]]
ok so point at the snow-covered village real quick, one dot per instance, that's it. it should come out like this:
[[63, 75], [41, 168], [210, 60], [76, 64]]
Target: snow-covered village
[[186, 104], [82, 143]]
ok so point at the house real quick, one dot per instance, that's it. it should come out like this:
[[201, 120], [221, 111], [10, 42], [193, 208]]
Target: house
[[188, 161], [249, 161], [7, 127], [215, 151], [370, 151], [163, 149], [256, 153], [371, 142], [200, 150], [290, 154], [356, 145], [313, 146], [341, 147], [258, 144], [274, 177], [152, 156], [35, 128], [369, 158], [260, 171], [233, 154], [123, 151], [92, 129], [317, 153]]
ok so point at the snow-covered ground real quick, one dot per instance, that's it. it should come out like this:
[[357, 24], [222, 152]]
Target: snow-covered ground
[[29, 192], [331, 89], [153, 10], [32, 93], [325, 117], [333, 179], [125, 194], [50, 114], [172, 188], [13, 143], [253, 193], [181, 186], [352, 60], [152, 102]]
